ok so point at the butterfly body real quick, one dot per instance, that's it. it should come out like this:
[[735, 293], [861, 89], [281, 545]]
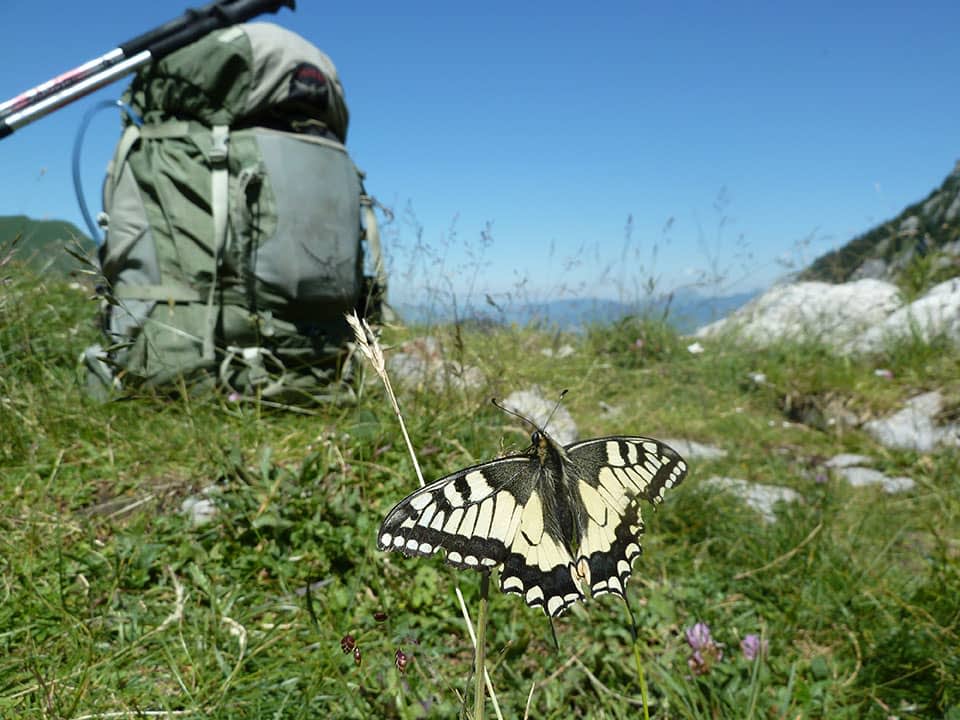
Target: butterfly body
[[555, 518]]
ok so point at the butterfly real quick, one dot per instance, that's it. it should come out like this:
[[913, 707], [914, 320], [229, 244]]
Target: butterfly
[[554, 518]]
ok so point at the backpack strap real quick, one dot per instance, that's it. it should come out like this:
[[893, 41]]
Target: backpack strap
[[372, 235], [219, 201]]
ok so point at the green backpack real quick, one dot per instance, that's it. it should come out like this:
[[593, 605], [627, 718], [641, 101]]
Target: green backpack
[[232, 216]]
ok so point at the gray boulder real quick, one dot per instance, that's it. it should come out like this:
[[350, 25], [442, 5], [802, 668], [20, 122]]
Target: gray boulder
[[811, 310]]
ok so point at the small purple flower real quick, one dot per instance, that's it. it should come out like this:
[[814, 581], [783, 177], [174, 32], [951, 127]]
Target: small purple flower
[[699, 637], [752, 646], [706, 651]]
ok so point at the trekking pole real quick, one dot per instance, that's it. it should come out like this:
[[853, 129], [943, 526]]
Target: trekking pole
[[127, 57]]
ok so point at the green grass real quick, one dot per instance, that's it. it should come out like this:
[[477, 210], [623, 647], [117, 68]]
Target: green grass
[[113, 605]]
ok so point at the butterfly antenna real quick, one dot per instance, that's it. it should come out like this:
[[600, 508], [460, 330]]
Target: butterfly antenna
[[556, 407], [527, 420]]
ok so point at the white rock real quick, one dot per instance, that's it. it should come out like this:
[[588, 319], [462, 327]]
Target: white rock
[[811, 310], [421, 361], [199, 511], [532, 405], [692, 450], [913, 427], [564, 351], [761, 498], [847, 460], [860, 477], [936, 312]]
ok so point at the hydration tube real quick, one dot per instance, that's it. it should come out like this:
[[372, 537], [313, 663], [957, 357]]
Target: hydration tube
[[95, 233]]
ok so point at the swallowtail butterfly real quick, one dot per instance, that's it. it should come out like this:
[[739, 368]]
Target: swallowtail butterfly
[[554, 517]]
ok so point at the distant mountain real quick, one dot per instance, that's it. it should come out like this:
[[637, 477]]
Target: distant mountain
[[928, 229], [41, 243], [685, 310]]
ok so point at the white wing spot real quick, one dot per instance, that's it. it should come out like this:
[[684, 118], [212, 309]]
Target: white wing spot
[[426, 548], [452, 496], [534, 594], [596, 507], [454, 556], [511, 533], [651, 447], [398, 542], [613, 453], [412, 544], [489, 562], [469, 520], [427, 516], [554, 604], [479, 487], [531, 519], [484, 518], [512, 583], [437, 523], [386, 539], [632, 551], [471, 561], [631, 453], [502, 515], [419, 502], [453, 522]]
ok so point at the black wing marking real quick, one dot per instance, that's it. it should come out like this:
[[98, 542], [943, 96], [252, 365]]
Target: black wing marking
[[613, 474]]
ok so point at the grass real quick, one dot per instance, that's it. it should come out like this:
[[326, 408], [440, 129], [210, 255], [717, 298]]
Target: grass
[[114, 604]]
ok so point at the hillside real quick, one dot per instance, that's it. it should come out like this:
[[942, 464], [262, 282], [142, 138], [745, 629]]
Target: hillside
[[41, 244], [925, 233]]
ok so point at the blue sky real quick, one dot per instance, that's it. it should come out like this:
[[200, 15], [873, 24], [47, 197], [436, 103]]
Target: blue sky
[[734, 135]]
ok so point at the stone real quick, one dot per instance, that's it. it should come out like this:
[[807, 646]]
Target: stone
[[692, 450], [200, 509], [953, 210], [844, 460], [861, 477], [533, 406], [834, 314], [421, 361], [914, 427], [871, 268], [935, 313], [910, 226], [564, 351], [761, 498]]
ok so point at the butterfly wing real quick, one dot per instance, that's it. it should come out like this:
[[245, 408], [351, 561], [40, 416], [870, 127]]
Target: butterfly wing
[[472, 514], [612, 475], [487, 515]]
